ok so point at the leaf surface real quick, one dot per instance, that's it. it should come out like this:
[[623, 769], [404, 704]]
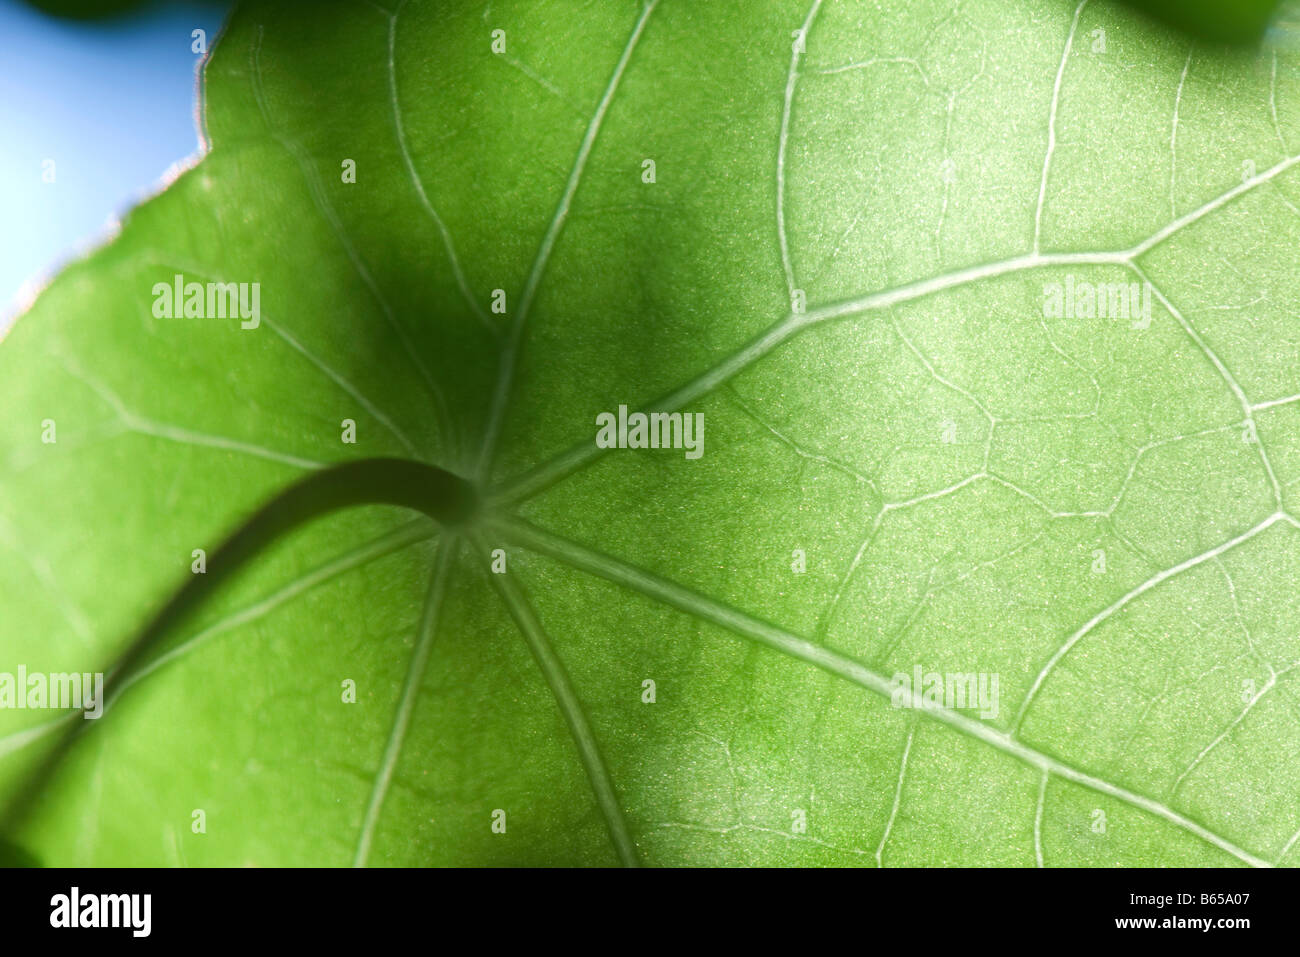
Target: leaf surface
[[1093, 511]]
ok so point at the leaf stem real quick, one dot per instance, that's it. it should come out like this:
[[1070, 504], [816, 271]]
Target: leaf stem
[[448, 499]]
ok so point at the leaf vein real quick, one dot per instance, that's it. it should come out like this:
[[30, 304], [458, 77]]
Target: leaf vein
[[677, 596]]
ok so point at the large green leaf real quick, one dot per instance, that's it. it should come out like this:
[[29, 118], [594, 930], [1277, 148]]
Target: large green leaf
[[1092, 510]]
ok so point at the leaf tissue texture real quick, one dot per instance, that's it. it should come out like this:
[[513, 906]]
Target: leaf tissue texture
[[979, 549]]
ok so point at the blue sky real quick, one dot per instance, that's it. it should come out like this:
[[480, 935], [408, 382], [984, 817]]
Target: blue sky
[[111, 103]]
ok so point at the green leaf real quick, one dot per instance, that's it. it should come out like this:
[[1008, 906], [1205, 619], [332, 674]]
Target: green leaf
[[928, 466]]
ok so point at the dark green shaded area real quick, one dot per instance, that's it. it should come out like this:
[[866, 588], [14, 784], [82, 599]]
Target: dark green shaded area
[[11, 855], [1242, 21]]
